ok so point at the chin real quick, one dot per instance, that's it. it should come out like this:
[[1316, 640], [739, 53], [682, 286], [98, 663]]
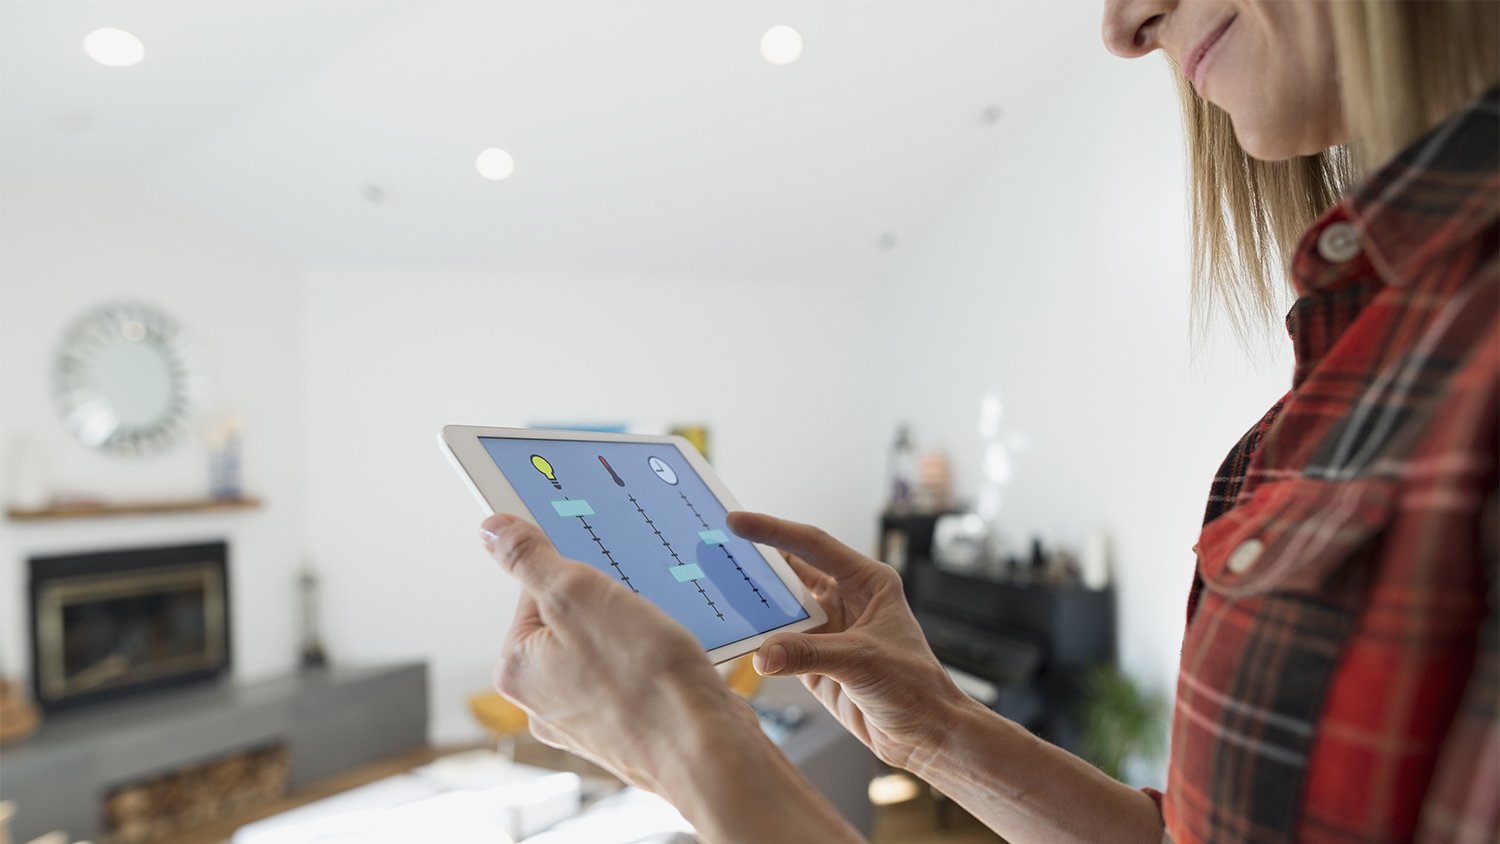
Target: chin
[[1269, 143], [1272, 131]]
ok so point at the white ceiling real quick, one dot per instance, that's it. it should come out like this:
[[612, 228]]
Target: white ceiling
[[649, 135]]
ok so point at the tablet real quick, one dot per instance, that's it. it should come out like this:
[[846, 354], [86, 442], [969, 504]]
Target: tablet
[[647, 511]]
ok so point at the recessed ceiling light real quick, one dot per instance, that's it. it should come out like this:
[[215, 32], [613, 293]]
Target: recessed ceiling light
[[495, 163], [781, 45], [114, 47]]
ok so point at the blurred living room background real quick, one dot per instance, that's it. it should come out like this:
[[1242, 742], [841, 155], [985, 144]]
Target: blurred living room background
[[911, 270]]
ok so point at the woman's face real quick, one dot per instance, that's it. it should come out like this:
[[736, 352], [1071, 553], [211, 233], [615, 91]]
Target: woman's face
[[1268, 63]]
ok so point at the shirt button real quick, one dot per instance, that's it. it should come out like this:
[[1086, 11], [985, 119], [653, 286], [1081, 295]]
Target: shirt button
[[1338, 243], [1243, 557]]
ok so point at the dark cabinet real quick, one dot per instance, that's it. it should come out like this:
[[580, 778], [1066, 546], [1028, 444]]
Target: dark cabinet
[[1031, 642]]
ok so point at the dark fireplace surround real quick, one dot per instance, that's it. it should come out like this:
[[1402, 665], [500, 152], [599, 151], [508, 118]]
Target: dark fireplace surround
[[109, 624]]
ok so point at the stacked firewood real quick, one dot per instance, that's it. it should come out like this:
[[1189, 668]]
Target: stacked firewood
[[18, 717], [162, 807]]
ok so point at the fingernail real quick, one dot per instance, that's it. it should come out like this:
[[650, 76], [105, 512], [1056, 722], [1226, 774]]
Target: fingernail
[[489, 531], [773, 663]]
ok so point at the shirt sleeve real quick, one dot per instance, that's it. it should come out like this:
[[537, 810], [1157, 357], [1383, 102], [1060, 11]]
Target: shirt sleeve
[[1463, 803], [1156, 795]]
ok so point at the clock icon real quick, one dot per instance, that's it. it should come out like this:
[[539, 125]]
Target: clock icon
[[660, 468]]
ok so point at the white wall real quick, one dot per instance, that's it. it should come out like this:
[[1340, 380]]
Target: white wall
[[785, 374], [63, 251], [1060, 284]]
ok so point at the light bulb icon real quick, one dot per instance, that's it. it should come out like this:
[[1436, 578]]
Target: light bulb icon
[[545, 468]]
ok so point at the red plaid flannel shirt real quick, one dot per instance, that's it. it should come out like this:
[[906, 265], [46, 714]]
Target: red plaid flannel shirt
[[1341, 665]]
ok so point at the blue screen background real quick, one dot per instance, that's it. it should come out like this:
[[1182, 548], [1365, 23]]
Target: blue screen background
[[628, 519]]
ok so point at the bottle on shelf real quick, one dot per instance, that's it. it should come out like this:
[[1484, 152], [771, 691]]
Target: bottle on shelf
[[903, 472]]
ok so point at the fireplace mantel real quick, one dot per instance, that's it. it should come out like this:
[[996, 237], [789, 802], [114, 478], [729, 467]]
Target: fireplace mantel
[[105, 509]]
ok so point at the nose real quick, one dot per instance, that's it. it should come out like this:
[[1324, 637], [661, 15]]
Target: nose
[[1132, 27]]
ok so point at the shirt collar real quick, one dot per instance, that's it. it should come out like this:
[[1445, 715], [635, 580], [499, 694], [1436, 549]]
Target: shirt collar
[[1439, 192]]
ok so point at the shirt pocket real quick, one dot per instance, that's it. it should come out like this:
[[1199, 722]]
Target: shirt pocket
[[1303, 536]]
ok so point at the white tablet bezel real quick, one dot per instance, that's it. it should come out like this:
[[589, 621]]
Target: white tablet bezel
[[496, 495]]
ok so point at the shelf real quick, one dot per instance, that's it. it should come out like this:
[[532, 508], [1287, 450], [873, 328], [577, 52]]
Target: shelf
[[133, 508]]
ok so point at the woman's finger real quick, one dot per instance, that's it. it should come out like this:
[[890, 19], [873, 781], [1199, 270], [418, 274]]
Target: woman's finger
[[812, 544], [814, 580], [843, 657]]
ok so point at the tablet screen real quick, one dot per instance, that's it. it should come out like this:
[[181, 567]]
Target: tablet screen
[[640, 513]]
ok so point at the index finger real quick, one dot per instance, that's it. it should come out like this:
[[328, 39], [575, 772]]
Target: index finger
[[810, 575], [812, 544]]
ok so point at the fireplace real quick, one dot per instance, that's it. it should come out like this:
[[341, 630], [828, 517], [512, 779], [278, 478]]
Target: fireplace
[[114, 623]]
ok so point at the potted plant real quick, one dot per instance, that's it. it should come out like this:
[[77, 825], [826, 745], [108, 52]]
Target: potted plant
[[1124, 726]]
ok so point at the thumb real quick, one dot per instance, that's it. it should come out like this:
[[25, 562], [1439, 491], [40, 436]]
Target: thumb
[[833, 654], [523, 550]]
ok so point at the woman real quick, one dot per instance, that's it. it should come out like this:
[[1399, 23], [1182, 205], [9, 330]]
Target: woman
[[1340, 666]]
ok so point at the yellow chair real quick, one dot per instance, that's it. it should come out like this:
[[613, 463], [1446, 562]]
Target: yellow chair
[[500, 718], [741, 676]]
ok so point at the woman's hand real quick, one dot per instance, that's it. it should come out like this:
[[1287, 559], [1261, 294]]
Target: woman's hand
[[604, 674], [870, 665], [601, 672]]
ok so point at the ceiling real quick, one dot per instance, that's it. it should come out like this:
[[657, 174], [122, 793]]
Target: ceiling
[[649, 135]]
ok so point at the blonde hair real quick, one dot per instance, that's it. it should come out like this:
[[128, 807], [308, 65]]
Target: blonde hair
[[1403, 66]]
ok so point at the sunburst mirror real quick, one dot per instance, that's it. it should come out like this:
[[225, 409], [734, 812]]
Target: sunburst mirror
[[125, 380]]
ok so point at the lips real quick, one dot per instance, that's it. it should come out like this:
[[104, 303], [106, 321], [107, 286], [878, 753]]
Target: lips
[[1195, 59]]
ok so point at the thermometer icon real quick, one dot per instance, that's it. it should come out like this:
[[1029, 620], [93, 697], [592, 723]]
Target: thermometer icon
[[611, 470]]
